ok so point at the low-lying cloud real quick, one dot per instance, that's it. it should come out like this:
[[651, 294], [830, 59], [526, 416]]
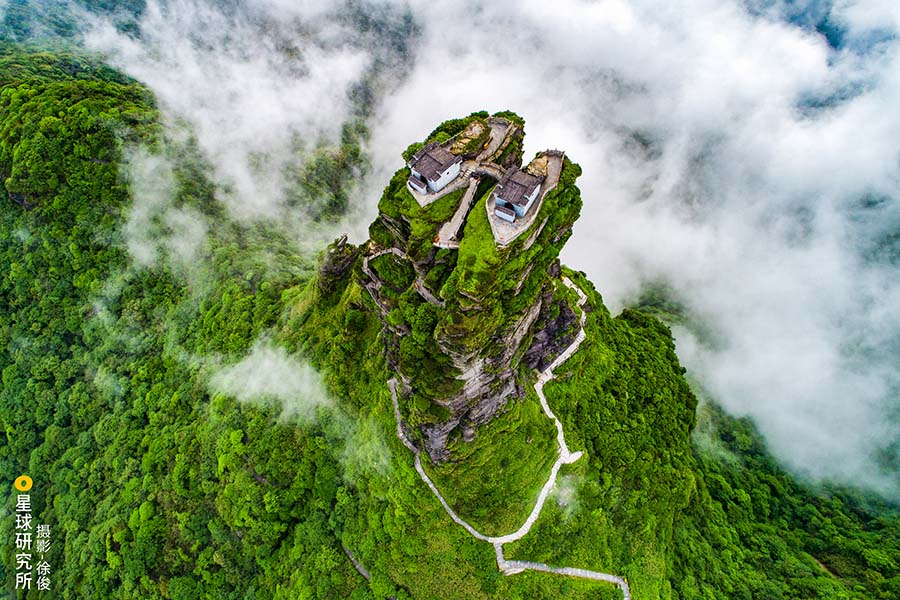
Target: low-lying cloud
[[729, 152], [268, 375], [258, 92], [156, 227], [735, 157], [566, 494]]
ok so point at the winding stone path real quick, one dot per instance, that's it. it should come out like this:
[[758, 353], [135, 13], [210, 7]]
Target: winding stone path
[[361, 569], [376, 285], [368, 271], [511, 567], [426, 294], [448, 234], [500, 128]]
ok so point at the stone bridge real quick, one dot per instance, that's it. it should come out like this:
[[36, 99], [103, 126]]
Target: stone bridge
[[473, 167]]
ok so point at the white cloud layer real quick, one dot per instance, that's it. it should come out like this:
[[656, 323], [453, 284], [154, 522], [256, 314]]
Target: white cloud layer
[[268, 374], [748, 204], [770, 175], [155, 225], [255, 90]]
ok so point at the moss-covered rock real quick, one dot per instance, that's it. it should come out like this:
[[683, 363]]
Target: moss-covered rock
[[472, 312], [677, 521]]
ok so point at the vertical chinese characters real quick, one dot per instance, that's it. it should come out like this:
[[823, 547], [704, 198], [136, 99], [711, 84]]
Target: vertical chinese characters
[[23, 542], [42, 546]]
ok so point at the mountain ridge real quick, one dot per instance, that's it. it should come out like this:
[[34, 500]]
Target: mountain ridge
[[158, 485]]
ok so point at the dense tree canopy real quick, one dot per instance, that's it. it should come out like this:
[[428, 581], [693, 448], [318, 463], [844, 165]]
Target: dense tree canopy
[[158, 486]]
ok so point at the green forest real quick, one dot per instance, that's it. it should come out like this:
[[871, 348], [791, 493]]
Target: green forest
[[156, 483]]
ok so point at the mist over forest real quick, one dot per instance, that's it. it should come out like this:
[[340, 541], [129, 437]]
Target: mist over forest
[[740, 162], [740, 179]]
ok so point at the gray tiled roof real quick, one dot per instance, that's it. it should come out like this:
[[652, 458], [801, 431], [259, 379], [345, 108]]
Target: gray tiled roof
[[516, 185], [432, 160]]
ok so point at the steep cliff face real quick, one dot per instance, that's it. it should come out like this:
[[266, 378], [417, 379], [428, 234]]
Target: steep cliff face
[[461, 319], [462, 326]]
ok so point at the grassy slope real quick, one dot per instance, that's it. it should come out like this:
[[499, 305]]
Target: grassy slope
[[153, 487], [494, 480], [394, 523], [688, 520], [642, 494], [622, 400], [157, 489]]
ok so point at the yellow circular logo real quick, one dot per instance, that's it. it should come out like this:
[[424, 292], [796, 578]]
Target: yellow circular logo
[[23, 483]]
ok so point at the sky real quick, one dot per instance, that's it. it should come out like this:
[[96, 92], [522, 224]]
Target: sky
[[731, 153]]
